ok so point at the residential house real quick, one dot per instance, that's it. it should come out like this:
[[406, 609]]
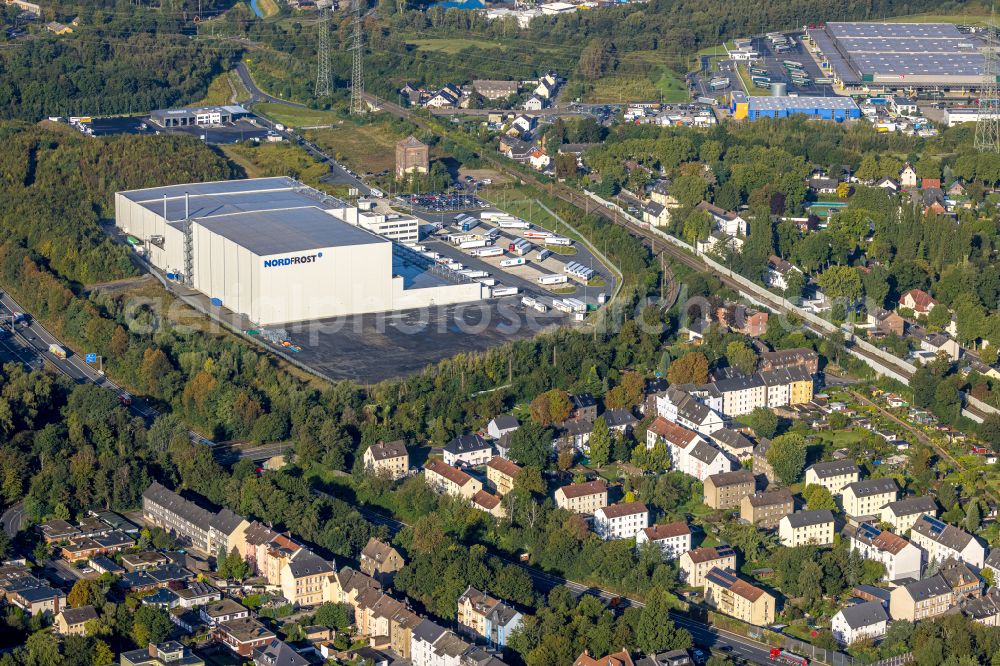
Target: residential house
[[534, 103], [425, 635], [790, 358], [88, 547], [169, 653], [741, 394], [206, 531], [904, 107], [197, 594], [388, 458], [467, 450], [501, 622], [992, 562], [681, 407], [303, 578], [737, 598], [73, 621], [695, 564], [449, 96], [858, 622], [917, 300], [724, 221], [671, 658], [538, 160], [674, 539], [143, 560], [223, 610], [381, 561], [661, 193], [58, 28], [734, 443], [575, 433], [901, 558], [887, 322], [905, 512], [620, 421], [963, 580], [33, 595], [278, 653], [806, 527], [727, 489], [501, 425], [941, 343], [474, 611], [584, 406], [942, 541], [921, 599], [766, 509], [834, 475], [496, 89], [522, 125], [401, 628], [621, 521], [102, 564], [889, 184], [617, 659], [760, 464], [778, 271], [243, 636], [787, 386], [516, 149], [488, 503], [908, 177], [985, 609], [656, 214], [57, 530], [501, 473], [865, 499], [583, 498], [446, 479], [823, 185]]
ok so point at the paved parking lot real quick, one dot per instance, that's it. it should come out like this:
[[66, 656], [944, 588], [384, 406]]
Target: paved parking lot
[[445, 202], [776, 70]]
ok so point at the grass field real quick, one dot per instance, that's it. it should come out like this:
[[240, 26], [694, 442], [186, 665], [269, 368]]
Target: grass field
[[365, 149], [964, 19], [276, 159], [268, 7], [452, 46], [641, 76], [220, 91], [747, 82], [293, 116]]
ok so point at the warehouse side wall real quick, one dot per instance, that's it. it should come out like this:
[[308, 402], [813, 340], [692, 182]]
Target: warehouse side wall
[[133, 219]]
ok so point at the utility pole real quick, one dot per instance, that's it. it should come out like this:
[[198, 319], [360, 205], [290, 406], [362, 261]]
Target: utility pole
[[323, 87], [988, 118], [357, 72]]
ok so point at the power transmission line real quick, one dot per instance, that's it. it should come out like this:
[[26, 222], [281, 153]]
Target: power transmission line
[[988, 118], [357, 72], [323, 85]]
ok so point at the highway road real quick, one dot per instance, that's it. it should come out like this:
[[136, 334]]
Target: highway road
[[12, 519], [256, 94]]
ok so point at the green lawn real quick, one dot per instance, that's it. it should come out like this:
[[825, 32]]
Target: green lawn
[[366, 148], [293, 116], [964, 19], [672, 87], [220, 91], [747, 82], [451, 46]]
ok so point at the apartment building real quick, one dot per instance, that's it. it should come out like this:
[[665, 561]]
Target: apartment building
[[674, 539], [760, 464], [243, 636], [790, 358], [941, 541], [733, 443], [476, 615], [860, 621], [387, 458], [741, 394], [737, 598], [921, 599], [903, 513], [834, 475], [621, 521], [584, 498], [303, 578], [489, 503], [806, 527], [865, 499], [787, 386], [468, 450], [204, 530], [681, 407], [901, 558], [695, 564], [451, 481], [501, 473], [73, 621], [727, 489], [380, 561], [766, 509]]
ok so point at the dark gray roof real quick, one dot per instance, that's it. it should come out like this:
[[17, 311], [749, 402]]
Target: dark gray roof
[[502, 614], [864, 615], [279, 653], [467, 443], [186, 509], [814, 517], [740, 476], [78, 615], [732, 438], [705, 452], [993, 559], [427, 631], [870, 487], [928, 587], [739, 383], [687, 406], [308, 563], [771, 497], [506, 421], [226, 521], [942, 533], [581, 400], [831, 468], [911, 505], [619, 417]]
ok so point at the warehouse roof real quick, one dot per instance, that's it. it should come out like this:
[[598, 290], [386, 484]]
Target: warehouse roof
[[784, 102], [265, 215]]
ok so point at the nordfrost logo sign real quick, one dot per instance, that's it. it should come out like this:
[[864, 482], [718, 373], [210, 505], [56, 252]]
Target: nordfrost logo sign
[[292, 261]]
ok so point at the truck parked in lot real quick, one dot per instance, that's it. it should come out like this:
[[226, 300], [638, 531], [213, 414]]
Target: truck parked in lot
[[57, 351], [552, 279], [504, 291], [516, 261]]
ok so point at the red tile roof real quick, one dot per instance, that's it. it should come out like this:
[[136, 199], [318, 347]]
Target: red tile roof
[[574, 490], [504, 466], [657, 532], [673, 433], [624, 509], [447, 471]]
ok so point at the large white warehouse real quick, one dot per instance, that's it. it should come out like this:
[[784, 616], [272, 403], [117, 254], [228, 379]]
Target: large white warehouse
[[274, 250]]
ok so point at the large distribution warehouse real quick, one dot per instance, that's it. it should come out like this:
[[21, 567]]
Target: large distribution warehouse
[[782, 106], [900, 56], [277, 251]]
